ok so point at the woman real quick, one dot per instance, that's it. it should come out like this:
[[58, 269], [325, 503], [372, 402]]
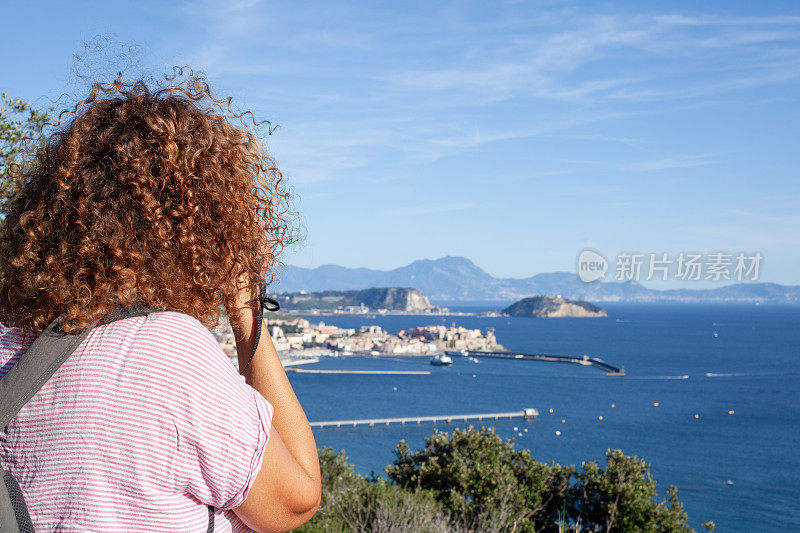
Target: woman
[[151, 197]]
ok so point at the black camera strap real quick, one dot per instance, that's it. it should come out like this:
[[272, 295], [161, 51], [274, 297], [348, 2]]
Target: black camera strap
[[264, 303]]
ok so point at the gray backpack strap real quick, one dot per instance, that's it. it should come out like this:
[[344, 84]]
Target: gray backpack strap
[[35, 367], [20, 383], [47, 353], [14, 516]]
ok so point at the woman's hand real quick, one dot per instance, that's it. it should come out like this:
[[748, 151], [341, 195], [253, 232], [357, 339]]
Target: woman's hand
[[244, 313], [286, 492]]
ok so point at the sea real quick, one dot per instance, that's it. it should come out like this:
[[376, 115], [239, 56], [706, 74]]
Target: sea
[[711, 400]]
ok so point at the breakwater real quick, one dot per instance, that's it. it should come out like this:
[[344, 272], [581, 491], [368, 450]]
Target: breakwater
[[585, 360]]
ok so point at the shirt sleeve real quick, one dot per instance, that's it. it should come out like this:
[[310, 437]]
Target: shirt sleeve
[[222, 423]]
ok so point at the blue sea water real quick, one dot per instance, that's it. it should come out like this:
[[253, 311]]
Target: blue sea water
[[742, 470]]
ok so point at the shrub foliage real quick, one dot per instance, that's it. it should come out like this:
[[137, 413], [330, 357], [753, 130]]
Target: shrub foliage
[[20, 122], [473, 480]]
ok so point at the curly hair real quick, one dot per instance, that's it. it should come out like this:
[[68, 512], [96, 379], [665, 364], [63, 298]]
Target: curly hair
[[148, 196]]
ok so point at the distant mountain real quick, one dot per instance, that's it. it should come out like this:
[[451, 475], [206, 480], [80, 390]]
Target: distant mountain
[[459, 279]]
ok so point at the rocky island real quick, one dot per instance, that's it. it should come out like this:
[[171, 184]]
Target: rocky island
[[553, 307]]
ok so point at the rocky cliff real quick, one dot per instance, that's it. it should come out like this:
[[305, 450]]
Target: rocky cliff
[[381, 298], [553, 307]]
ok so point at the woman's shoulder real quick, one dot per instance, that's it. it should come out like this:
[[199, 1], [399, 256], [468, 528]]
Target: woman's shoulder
[[175, 321], [173, 338], [168, 325], [7, 328], [13, 343]]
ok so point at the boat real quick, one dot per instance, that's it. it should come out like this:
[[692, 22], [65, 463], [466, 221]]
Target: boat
[[530, 414], [441, 360], [461, 353]]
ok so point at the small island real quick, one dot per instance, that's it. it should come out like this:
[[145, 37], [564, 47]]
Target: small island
[[553, 307]]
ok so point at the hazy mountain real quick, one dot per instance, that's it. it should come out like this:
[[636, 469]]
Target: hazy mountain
[[457, 278]]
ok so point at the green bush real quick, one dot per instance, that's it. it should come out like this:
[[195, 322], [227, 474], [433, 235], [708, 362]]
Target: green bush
[[353, 503], [623, 497], [20, 122], [482, 481], [474, 481]]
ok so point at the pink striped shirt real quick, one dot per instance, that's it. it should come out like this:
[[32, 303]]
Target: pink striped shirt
[[141, 428]]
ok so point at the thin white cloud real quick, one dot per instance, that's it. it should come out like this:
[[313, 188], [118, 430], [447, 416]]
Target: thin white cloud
[[785, 221], [539, 67], [629, 141], [684, 161], [706, 20], [365, 83], [435, 208]]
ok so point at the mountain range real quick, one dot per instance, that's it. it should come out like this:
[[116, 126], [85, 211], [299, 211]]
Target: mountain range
[[453, 279]]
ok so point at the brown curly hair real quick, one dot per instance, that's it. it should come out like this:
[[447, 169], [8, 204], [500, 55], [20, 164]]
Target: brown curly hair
[[148, 196]]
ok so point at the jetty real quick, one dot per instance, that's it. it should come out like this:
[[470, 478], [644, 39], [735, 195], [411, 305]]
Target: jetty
[[299, 361], [527, 413], [362, 372], [584, 360]]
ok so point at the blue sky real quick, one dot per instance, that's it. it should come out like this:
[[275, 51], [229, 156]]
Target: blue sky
[[513, 133]]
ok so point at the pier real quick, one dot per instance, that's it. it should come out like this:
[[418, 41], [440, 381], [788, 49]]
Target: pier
[[362, 372], [299, 361], [585, 360], [527, 413]]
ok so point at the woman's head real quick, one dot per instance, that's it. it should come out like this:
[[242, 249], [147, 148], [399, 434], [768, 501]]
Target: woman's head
[[147, 196]]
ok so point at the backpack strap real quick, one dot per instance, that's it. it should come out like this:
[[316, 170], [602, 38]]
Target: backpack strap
[[46, 355], [34, 367], [31, 371], [29, 374], [210, 528]]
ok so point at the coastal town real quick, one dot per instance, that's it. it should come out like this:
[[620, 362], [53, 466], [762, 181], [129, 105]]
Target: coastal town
[[296, 337]]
